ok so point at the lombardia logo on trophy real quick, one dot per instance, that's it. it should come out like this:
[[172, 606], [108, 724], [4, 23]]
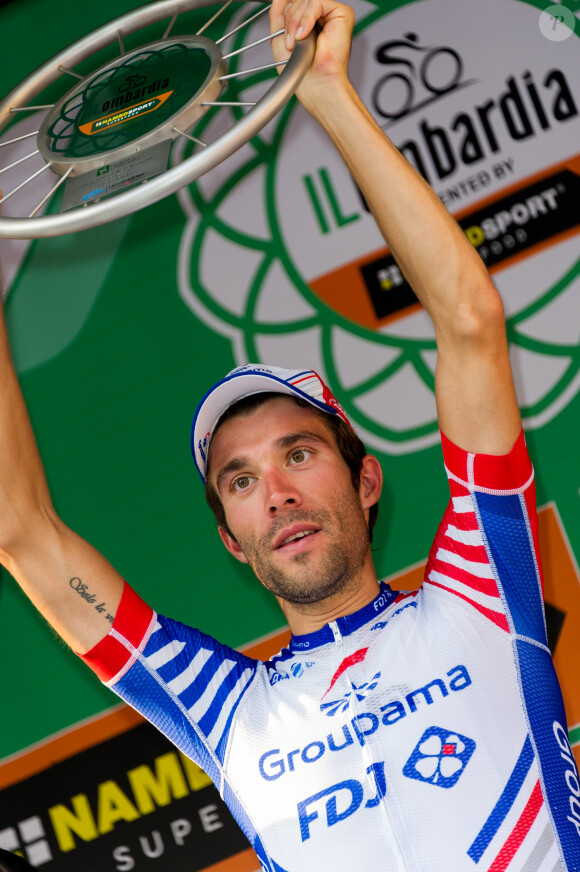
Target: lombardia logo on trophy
[[280, 254]]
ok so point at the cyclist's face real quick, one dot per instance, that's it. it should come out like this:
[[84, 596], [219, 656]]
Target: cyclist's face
[[289, 501]]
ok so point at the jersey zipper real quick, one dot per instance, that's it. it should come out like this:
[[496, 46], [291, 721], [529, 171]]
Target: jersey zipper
[[336, 632]]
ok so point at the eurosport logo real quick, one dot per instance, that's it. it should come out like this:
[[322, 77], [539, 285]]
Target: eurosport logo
[[439, 757], [301, 235]]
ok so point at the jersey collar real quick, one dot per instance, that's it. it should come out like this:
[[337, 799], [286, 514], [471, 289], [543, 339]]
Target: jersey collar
[[347, 625]]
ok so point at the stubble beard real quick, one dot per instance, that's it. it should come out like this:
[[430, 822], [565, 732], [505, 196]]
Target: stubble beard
[[313, 579]]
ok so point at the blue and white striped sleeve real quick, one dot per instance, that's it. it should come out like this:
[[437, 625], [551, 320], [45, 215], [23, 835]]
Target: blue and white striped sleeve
[[183, 681]]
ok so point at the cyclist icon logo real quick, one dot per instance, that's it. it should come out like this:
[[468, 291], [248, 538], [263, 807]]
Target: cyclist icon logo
[[439, 757], [132, 81], [429, 73]]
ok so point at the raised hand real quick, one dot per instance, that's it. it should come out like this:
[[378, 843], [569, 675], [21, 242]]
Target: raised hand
[[335, 22]]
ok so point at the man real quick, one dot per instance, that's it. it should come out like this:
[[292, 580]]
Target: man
[[421, 731]]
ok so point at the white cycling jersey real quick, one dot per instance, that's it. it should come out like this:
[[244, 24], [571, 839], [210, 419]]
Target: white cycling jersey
[[425, 732]]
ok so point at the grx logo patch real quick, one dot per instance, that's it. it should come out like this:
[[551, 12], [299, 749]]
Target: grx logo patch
[[439, 757]]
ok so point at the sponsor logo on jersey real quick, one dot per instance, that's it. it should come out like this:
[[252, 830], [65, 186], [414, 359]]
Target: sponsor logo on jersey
[[297, 670], [383, 600], [351, 660], [379, 625], [349, 794], [358, 691], [439, 757], [571, 775], [275, 763]]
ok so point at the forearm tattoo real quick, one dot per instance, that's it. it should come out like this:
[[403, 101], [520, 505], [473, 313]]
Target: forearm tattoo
[[91, 599]]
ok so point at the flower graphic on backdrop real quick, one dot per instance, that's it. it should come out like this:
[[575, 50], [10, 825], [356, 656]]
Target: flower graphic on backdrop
[[284, 213]]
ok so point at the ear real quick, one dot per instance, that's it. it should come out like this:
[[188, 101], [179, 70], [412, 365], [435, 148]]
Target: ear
[[371, 481], [232, 545]]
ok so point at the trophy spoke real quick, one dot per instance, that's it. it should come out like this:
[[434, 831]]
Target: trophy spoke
[[227, 103], [19, 161], [172, 21], [191, 137], [213, 18], [244, 23], [18, 138], [30, 108], [51, 192], [257, 42], [254, 70], [70, 72], [25, 182], [121, 43]]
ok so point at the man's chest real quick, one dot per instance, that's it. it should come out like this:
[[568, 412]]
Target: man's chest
[[331, 733]]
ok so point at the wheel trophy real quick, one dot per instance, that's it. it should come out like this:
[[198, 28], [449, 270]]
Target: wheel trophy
[[113, 130]]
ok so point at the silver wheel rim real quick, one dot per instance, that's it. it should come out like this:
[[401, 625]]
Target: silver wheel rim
[[161, 186]]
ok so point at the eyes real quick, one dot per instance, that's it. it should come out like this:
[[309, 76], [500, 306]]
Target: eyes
[[297, 457]]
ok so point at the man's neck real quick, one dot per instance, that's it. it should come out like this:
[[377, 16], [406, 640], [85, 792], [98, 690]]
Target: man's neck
[[304, 618]]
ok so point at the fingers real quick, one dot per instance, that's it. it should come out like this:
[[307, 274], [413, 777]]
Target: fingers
[[278, 22], [300, 17], [277, 19]]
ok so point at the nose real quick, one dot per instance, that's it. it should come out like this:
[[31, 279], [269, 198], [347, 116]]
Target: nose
[[281, 491]]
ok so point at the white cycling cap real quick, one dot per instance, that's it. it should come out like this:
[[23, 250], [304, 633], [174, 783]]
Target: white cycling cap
[[255, 378]]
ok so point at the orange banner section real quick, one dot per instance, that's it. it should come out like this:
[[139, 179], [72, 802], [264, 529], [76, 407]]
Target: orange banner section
[[344, 291], [244, 862], [66, 744]]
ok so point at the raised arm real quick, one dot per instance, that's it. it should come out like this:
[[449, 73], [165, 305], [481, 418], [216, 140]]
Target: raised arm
[[476, 401], [70, 583]]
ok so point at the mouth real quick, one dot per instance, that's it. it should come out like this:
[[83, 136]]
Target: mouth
[[294, 538]]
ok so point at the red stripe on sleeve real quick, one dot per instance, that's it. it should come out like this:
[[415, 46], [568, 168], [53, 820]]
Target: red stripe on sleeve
[[495, 617], [508, 471], [519, 832], [132, 621], [456, 489], [461, 520], [487, 586]]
